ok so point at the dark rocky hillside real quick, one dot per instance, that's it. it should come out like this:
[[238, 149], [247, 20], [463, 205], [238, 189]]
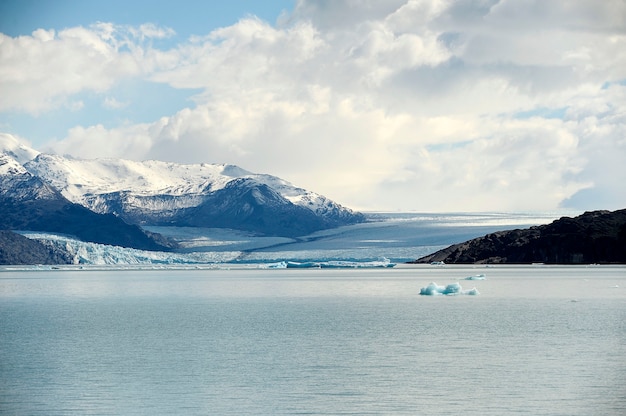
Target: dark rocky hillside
[[28, 204], [17, 249], [243, 204], [593, 237], [248, 205]]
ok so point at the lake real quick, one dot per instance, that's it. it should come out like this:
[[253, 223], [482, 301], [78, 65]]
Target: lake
[[537, 340]]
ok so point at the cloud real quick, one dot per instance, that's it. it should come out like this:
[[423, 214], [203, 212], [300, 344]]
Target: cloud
[[43, 71], [412, 104], [601, 126], [113, 104], [128, 142]]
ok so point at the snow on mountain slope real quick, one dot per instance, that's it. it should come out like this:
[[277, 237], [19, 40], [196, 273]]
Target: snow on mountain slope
[[17, 184], [12, 147], [10, 166], [77, 177], [87, 182], [163, 193]]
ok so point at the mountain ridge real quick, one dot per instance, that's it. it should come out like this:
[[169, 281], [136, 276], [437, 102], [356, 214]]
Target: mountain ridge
[[164, 193], [17, 249]]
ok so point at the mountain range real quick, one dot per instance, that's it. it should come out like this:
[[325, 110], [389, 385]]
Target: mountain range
[[110, 200]]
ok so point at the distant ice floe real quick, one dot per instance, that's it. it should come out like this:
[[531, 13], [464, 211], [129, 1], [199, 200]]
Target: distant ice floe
[[433, 289], [476, 277], [332, 264]]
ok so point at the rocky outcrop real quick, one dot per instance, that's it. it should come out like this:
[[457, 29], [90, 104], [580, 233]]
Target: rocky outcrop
[[17, 249], [593, 237]]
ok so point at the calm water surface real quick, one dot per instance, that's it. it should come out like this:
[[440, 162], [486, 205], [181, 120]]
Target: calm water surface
[[536, 341]]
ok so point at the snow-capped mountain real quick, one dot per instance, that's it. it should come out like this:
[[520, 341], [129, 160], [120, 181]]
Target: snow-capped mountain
[[15, 181], [29, 203], [18, 184], [202, 195], [16, 150]]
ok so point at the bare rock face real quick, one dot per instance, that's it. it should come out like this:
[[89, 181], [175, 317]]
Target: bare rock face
[[593, 237], [17, 249]]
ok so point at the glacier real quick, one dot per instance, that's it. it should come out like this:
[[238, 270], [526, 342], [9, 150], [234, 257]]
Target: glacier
[[85, 253], [398, 237], [275, 221]]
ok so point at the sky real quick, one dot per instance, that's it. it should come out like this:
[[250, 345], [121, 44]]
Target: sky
[[380, 105]]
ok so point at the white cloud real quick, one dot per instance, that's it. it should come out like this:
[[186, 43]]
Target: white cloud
[[42, 71], [600, 122], [113, 104], [152, 31], [128, 142], [412, 104]]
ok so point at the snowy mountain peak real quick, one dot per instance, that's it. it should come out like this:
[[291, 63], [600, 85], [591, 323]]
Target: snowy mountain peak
[[153, 192], [17, 183], [11, 146], [80, 179], [10, 166], [234, 171], [76, 178]]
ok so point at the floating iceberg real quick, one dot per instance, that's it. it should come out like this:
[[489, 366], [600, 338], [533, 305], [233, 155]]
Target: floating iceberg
[[473, 292], [303, 265], [279, 265], [434, 289], [338, 264], [476, 277]]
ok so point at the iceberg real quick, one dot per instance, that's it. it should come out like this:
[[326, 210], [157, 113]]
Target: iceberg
[[433, 289], [339, 264], [473, 292], [303, 265], [476, 277], [279, 265]]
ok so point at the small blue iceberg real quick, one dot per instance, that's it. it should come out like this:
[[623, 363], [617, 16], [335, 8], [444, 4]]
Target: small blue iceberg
[[476, 277], [433, 289]]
